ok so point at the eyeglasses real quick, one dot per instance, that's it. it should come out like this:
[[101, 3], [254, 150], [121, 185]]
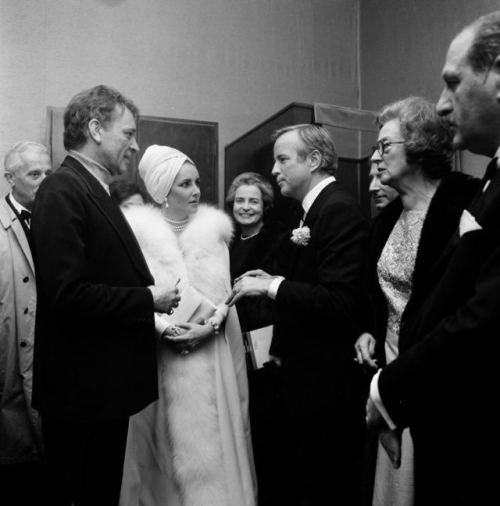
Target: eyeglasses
[[381, 146]]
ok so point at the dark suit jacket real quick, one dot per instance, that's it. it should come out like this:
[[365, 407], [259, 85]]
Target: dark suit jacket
[[317, 305], [454, 193], [94, 345], [445, 383]]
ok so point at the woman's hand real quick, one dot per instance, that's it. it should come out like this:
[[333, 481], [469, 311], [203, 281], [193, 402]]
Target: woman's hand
[[217, 319], [194, 334], [365, 351], [216, 322]]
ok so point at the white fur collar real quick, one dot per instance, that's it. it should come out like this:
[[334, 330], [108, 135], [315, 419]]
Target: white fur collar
[[198, 254]]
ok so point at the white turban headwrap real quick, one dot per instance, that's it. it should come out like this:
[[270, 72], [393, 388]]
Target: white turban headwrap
[[158, 168]]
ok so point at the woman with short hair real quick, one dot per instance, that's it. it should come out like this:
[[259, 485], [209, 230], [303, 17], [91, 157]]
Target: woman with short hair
[[413, 154]]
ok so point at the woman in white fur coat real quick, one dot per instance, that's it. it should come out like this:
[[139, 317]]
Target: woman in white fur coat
[[192, 447]]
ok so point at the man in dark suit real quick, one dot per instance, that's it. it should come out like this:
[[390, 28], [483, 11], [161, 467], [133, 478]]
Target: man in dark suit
[[316, 307], [445, 383], [95, 361], [21, 455]]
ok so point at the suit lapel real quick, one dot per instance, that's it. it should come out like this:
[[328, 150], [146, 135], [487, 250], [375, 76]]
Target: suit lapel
[[12, 219], [482, 207], [111, 212]]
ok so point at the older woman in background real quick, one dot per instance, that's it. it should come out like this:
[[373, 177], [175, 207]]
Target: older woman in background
[[413, 155]]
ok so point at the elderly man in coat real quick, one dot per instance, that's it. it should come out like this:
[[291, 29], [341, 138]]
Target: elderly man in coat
[[26, 165]]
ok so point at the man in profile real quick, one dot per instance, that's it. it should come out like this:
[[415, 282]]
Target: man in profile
[[317, 303], [21, 470], [95, 360], [381, 194], [444, 385]]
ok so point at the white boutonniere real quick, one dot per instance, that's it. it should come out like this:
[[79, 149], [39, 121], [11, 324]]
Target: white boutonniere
[[301, 236]]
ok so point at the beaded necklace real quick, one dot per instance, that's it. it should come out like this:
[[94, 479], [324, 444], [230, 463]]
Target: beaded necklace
[[244, 238], [177, 226]]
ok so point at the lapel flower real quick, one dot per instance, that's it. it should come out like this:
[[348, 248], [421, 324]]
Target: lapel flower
[[301, 236]]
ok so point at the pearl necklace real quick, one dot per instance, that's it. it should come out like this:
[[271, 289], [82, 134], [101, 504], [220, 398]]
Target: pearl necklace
[[244, 238], [177, 226]]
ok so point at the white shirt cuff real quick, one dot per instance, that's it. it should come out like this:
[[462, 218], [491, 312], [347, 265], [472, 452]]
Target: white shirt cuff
[[375, 396], [161, 324], [272, 291]]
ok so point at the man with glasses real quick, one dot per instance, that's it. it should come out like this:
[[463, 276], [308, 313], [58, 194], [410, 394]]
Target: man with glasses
[[445, 386]]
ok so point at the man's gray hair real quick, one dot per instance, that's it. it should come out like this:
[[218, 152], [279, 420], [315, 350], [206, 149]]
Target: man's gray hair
[[14, 158], [485, 46]]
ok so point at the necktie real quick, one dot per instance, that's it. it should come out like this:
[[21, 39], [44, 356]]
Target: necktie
[[490, 173], [26, 217], [478, 202]]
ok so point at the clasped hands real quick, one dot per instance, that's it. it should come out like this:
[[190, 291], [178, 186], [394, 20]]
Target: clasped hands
[[250, 284], [185, 337]]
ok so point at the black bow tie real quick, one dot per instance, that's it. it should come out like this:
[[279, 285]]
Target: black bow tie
[[25, 216]]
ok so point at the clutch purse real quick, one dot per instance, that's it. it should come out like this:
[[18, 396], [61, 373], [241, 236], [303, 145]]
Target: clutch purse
[[193, 307]]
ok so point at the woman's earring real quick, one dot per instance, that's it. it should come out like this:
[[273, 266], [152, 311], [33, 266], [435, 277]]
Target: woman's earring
[[165, 202]]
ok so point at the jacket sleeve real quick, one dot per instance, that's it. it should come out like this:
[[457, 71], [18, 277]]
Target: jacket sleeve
[[464, 342]]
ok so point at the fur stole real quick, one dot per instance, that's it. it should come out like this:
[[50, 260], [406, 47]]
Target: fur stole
[[198, 255], [186, 418]]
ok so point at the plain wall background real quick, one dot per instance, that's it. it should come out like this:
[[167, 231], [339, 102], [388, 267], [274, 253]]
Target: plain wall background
[[403, 49], [235, 62]]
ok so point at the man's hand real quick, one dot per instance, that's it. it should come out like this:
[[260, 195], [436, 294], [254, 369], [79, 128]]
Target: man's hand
[[391, 441], [193, 334], [249, 285], [165, 298], [256, 273], [365, 351]]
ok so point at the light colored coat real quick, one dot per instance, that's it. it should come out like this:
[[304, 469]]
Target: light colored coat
[[20, 437], [192, 447]]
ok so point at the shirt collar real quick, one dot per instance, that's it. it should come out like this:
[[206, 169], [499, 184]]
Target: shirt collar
[[497, 156], [95, 168], [17, 205], [314, 192]]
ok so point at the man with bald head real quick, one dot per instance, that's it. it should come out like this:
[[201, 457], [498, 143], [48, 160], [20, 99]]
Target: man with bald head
[[444, 385], [26, 166]]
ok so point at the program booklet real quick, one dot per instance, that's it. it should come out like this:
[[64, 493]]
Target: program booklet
[[258, 342]]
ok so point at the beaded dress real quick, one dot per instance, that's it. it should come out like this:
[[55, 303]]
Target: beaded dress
[[395, 271]]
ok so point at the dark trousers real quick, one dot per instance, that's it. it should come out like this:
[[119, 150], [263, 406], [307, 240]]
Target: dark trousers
[[85, 462], [23, 484], [321, 449]]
